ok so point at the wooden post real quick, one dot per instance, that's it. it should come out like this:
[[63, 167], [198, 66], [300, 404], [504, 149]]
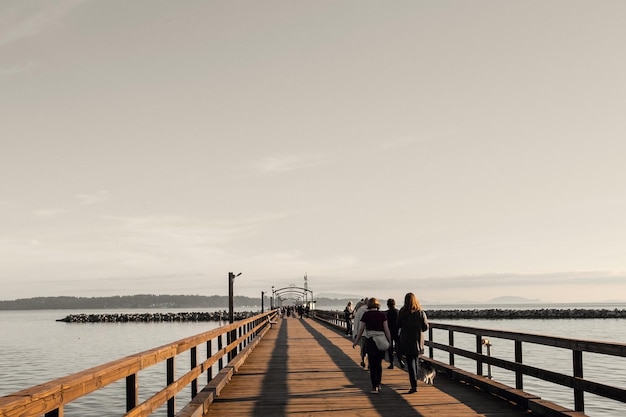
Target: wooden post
[[194, 363], [579, 395], [132, 397], [519, 376], [451, 343], [209, 353], [479, 351]]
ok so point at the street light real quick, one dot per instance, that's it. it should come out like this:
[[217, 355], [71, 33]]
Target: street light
[[262, 300], [272, 306], [231, 309]]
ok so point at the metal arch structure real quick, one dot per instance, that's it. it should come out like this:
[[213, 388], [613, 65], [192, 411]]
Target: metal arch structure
[[300, 295]]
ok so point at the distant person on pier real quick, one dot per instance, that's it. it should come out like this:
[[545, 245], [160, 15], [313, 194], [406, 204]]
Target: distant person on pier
[[412, 322], [376, 342], [361, 307], [392, 322], [348, 314]]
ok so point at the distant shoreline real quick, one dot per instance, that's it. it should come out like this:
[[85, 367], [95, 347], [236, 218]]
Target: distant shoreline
[[486, 314], [541, 313]]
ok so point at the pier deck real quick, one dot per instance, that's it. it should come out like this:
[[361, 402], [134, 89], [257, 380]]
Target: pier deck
[[304, 368]]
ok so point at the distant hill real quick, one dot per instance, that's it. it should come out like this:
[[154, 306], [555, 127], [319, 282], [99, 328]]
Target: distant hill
[[145, 301], [337, 296], [512, 299], [128, 301]]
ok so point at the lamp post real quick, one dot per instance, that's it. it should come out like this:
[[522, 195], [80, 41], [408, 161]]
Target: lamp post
[[272, 306], [262, 300], [232, 335], [231, 309]]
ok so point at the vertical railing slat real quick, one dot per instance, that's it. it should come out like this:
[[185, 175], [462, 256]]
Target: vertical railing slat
[[194, 362], [132, 392], [171, 403], [209, 353], [579, 395], [479, 351], [519, 358], [451, 343]]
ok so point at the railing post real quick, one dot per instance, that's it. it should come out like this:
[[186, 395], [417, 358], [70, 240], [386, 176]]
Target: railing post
[[132, 397], [171, 403], [209, 353], [579, 395], [451, 344], [194, 363], [479, 351], [431, 349], [239, 346], [220, 346], [519, 376]]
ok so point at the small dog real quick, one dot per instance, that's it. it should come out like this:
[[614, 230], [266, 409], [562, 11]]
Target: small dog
[[427, 372]]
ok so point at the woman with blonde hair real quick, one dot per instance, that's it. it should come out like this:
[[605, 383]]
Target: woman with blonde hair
[[412, 322], [377, 341]]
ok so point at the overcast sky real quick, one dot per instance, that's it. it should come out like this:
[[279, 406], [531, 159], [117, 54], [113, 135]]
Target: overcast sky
[[462, 150]]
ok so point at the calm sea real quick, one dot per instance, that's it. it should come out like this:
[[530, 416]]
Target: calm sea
[[36, 349]]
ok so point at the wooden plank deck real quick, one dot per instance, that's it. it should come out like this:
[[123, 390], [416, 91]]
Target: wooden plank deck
[[304, 368]]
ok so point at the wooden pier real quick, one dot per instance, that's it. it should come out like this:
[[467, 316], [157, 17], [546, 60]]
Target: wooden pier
[[305, 368], [268, 366]]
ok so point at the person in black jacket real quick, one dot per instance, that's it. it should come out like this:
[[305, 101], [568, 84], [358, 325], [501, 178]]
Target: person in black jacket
[[413, 323], [392, 321]]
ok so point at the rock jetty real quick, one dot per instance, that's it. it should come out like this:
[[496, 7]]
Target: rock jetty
[[542, 313], [153, 317]]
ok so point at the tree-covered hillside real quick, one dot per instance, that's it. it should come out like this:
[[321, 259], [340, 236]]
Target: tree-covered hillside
[[127, 301], [143, 301]]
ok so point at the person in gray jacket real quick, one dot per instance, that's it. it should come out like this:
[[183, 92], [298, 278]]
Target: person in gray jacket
[[358, 313]]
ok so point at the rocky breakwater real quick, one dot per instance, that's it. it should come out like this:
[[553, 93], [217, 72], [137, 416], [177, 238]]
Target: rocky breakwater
[[153, 317], [542, 313]]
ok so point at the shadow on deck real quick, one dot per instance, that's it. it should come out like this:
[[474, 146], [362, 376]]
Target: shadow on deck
[[303, 367]]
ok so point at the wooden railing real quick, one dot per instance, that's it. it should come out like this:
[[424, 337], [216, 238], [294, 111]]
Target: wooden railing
[[576, 381], [49, 398]]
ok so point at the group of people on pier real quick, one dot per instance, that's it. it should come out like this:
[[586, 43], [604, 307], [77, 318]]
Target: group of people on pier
[[392, 331], [295, 311]]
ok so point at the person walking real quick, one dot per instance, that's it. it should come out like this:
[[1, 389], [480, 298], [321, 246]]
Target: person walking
[[412, 322], [348, 314], [376, 342], [392, 322], [358, 313]]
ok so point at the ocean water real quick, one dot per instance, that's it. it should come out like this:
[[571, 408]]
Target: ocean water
[[36, 349]]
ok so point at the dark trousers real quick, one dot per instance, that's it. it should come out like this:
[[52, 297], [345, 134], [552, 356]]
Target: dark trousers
[[375, 359], [395, 342], [413, 365]]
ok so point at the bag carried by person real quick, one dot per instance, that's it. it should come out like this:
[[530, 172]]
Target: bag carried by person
[[380, 339], [424, 321]]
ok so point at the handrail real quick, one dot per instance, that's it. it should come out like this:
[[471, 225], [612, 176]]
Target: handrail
[[49, 398], [577, 382]]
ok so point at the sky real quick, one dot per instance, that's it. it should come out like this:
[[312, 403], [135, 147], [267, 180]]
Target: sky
[[458, 150]]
